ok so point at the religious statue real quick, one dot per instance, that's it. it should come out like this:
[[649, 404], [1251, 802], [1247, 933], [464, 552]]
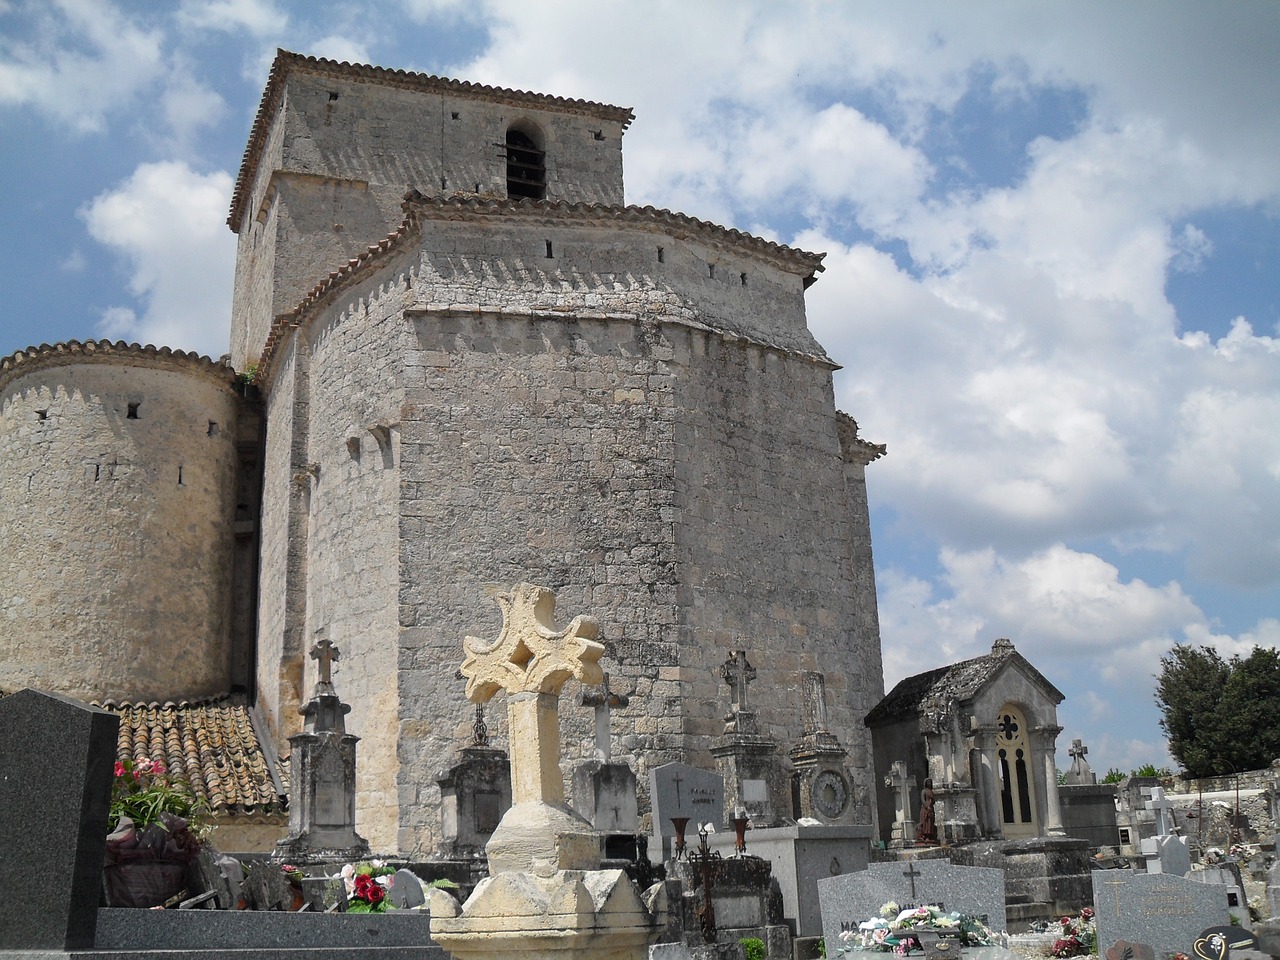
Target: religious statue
[[926, 832]]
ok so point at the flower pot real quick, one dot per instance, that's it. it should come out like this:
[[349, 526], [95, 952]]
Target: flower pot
[[143, 883]]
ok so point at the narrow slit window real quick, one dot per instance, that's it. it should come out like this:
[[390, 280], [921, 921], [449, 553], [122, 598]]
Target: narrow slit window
[[526, 167], [550, 254], [213, 428], [332, 96], [180, 483], [133, 411], [42, 414], [711, 270], [453, 115], [742, 277], [662, 255]]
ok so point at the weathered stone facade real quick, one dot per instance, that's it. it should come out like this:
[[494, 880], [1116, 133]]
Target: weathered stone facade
[[463, 390]]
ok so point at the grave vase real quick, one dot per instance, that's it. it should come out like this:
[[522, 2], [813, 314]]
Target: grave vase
[[143, 883]]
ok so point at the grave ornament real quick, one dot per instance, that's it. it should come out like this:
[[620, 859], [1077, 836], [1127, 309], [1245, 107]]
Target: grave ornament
[[543, 897]]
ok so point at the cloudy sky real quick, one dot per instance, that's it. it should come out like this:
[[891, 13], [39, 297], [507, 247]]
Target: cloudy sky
[[1051, 235]]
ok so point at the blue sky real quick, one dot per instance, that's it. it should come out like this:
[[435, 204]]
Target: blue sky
[[1051, 233]]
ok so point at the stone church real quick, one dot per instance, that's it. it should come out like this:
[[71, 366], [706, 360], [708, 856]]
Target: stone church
[[458, 360]]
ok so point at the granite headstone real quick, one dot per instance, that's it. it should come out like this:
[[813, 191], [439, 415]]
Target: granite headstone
[[56, 760], [852, 898], [679, 790], [1165, 911]]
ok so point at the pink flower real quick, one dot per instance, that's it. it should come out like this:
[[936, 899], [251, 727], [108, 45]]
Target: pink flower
[[119, 772]]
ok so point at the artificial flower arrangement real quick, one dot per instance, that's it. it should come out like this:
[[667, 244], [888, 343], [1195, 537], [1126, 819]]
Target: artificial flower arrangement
[[1077, 935], [892, 930], [153, 819], [367, 884]]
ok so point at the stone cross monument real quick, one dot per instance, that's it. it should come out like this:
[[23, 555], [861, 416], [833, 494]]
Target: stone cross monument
[[902, 783], [532, 660], [544, 899], [749, 762], [1080, 773], [322, 764]]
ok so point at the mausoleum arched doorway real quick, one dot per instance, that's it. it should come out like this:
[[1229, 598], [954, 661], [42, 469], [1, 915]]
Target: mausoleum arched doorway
[[1016, 772]]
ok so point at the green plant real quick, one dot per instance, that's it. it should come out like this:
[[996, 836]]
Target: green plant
[[822, 949], [1079, 935], [753, 947], [144, 792]]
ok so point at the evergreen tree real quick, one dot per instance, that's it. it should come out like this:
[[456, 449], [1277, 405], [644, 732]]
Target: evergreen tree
[[1220, 716]]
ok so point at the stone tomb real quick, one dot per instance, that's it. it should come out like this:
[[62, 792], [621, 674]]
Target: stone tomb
[[55, 787], [848, 900], [679, 790], [1165, 911], [800, 855]]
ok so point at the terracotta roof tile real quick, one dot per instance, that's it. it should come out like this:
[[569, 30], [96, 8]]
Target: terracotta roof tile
[[106, 351], [213, 745], [286, 62]]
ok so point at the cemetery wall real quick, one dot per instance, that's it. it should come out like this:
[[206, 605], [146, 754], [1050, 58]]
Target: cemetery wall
[[339, 152], [117, 468]]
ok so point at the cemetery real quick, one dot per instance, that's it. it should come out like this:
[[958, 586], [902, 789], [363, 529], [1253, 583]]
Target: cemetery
[[700, 763]]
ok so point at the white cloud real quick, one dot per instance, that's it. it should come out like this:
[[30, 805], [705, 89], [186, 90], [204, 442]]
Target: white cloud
[[261, 18], [181, 277], [84, 61]]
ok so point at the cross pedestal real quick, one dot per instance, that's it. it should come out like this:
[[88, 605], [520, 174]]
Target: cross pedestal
[[544, 897]]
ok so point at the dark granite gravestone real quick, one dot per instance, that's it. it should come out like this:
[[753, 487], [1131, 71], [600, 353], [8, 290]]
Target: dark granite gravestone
[[1162, 910], [56, 760], [679, 790], [851, 898]]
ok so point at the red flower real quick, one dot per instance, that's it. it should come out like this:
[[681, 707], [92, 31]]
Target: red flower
[[375, 893], [119, 772], [1064, 921], [1087, 913]]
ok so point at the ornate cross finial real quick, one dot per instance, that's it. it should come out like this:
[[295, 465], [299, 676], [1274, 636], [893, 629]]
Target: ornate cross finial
[[530, 654], [325, 654], [1078, 750], [737, 673]]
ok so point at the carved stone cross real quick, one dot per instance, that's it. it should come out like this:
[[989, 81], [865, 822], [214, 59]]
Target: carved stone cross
[[901, 783], [737, 673], [1162, 806], [1078, 750], [325, 654], [532, 660], [603, 701]]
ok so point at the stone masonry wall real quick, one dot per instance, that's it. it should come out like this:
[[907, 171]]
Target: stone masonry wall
[[580, 410], [343, 152], [352, 575], [116, 546], [764, 531]]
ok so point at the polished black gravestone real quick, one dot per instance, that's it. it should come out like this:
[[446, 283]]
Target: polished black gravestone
[[56, 760]]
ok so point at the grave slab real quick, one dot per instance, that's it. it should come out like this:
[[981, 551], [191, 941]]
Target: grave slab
[[1165, 911], [848, 900], [55, 785], [678, 790]]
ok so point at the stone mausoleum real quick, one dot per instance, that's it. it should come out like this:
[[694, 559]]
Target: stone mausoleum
[[458, 360]]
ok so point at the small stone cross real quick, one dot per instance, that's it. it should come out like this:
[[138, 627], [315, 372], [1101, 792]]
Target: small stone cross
[[901, 783], [737, 673], [532, 660], [1162, 806], [1078, 750], [603, 701], [911, 873], [325, 654]]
